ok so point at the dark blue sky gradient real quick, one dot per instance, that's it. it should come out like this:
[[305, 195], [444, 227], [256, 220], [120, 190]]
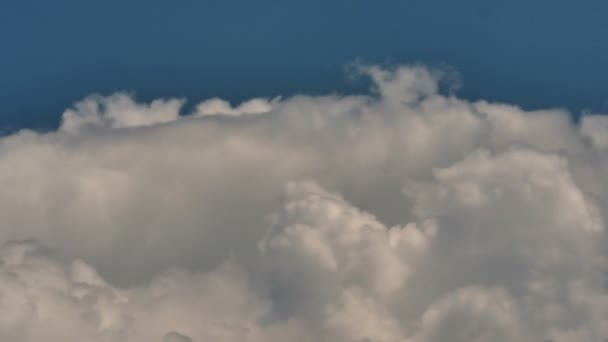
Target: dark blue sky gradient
[[53, 53]]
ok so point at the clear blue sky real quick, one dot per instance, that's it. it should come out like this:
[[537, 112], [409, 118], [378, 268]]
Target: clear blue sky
[[533, 53]]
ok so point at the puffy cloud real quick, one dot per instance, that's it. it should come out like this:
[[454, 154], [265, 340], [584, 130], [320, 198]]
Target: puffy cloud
[[119, 110], [217, 106], [493, 312], [595, 127], [45, 299], [403, 215]]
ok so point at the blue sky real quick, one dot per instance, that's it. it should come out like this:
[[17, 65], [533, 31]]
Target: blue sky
[[535, 54]]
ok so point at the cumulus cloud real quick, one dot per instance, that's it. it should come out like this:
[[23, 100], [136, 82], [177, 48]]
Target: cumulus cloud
[[119, 110], [398, 215], [217, 106]]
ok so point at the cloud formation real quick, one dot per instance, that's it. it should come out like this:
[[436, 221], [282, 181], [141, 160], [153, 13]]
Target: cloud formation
[[400, 215]]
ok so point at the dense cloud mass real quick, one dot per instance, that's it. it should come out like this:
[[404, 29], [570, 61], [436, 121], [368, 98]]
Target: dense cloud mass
[[401, 215]]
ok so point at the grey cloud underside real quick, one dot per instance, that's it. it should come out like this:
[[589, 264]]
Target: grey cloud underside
[[403, 215]]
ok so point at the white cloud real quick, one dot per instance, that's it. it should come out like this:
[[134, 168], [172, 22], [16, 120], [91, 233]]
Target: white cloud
[[217, 106], [404, 215], [118, 111]]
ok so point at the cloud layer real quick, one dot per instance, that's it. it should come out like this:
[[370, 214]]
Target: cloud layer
[[401, 215]]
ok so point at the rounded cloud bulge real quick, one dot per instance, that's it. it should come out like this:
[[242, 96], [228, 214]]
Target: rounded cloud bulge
[[403, 214]]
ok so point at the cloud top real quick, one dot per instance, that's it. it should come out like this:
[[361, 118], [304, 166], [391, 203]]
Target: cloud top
[[400, 215]]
